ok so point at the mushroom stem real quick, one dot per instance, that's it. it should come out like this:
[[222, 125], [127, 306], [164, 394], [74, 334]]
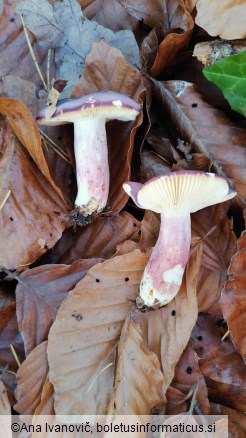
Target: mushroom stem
[[163, 274], [92, 169]]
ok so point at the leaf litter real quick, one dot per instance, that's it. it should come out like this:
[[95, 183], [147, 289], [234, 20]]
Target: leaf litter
[[188, 355]]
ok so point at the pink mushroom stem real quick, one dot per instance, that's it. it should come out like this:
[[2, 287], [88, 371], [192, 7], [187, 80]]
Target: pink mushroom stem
[[92, 169], [163, 274]]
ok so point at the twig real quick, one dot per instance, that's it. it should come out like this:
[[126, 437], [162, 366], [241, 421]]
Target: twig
[[48, 69], [15, 355], [225, 335], [5, 199], [32, 52]]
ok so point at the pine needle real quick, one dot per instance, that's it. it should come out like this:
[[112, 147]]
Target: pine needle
[[5, 199], [15, 355], [225, 335], [47, 140], [32, 52], [97, 375]]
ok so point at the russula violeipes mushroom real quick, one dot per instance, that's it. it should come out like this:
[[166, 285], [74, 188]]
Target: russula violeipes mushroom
[[174, 195], [89, 115]]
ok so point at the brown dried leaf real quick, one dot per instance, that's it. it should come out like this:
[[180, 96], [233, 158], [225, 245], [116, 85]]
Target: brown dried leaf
[[39, 294], [32, 212], [139, 379], [209, 130], [26, 131], [106, 69], [222, 367], [109, 13], [233, 298], [167, 19], [150, 227], [187, 376], [175, 41], [226, 19], [98, 239], [169, 328], [152, 165], [236, 419], [225, 375], [46, 405], [9, 334], [212, 227], [30, 379], [16, 58], [89, 322], [5, 407]]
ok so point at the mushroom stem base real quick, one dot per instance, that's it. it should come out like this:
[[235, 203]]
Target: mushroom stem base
[[163, 274]]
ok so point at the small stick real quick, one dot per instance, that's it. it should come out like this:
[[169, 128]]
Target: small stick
[[225, 335], [32, 52], [5, 199], [15, 355], [48, 69]]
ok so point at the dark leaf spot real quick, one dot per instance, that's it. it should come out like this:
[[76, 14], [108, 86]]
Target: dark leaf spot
[[189, 370]]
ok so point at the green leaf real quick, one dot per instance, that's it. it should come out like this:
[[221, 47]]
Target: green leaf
[[229, 74]]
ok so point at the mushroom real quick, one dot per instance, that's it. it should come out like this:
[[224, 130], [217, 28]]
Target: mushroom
[[89, 115], [174, 195]]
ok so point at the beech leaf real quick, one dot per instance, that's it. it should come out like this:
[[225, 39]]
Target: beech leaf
[[139, 379], [89, 322], [30, 379], [39, 294], [62, 26], [233, 298], [208, 130], [229, 75]]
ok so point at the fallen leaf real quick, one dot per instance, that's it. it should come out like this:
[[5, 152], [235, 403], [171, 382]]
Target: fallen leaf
[[169, 20], [46, 405], [138, 376], [21, 90], [173, 42], [207, 336], [26, 131], [152, 165], [97, 239], [233, 298], [51, 24], [236, 419], [89, 321], [30, 379], [16, 58], [226, 19], [150, 227], [169, 328], [5, 407], [225, 376], [106, 69], [212, 226], [9, 334], [187, 376], [5, 410], [39, 294], [109, 13], [198, 124], [31, 208]]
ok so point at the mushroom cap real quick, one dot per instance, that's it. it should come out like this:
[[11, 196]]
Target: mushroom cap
[[103, 104], [180, 192]]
